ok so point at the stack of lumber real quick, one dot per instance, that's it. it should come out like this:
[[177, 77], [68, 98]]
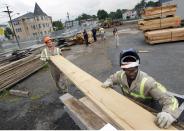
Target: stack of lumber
[[146, 25], [160, 25], [159, 12], [13, 72], [79, 38], [166, 35], [124, 113]]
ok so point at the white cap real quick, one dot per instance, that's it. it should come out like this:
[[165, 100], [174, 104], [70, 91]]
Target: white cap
[[126, 65], [129, 64]]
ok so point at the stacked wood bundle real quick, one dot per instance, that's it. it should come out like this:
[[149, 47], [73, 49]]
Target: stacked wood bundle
[[79, 38], [159, 12], [14, 72], [147, 25], [166, 35], [159, 26]]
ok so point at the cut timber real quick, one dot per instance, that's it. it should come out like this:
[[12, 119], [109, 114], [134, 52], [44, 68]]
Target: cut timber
[[91, 105], [18, 70], [82, 115], [19, 93], [125, 113], [159, 12], [159, 23], [165, 35]]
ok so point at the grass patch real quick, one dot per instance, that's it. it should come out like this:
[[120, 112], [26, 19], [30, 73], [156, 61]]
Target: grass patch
[[35, 97], [4, 93]]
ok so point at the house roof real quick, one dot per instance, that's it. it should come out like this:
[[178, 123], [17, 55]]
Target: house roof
[[37, 12]]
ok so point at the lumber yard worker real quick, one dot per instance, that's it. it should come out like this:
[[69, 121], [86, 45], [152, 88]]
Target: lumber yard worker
[[102, 33], [94, 34], [143, 88], [51, 50], [85, 34]]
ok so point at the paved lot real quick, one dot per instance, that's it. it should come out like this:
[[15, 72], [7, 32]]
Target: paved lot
[[43, 109]]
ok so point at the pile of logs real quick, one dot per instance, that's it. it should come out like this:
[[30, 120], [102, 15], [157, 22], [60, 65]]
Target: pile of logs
[[161, 25], [15, 71]]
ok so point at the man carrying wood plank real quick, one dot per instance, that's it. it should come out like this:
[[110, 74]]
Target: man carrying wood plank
[[141, 87], [51, 50]]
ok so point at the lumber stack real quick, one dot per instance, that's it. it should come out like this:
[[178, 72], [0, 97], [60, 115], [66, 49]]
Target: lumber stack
[[161, 25], [159, 12], [147, 25], [79, 38], [125, 113], [166, 35], [14, 72]]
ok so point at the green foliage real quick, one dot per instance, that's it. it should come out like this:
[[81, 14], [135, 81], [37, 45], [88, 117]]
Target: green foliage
[[85, 17], [58, 25], [118, 14], [152, 4], [8, 32], [140, 6], [112, 15], [102, 14], [4, 93]]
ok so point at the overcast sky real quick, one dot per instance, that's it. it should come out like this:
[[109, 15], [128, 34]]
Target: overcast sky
[[58, 9]]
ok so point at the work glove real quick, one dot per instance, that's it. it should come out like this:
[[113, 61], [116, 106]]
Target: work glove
[[164, 119], [108, 83]]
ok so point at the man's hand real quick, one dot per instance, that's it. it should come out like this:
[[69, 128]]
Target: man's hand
[[164, 119], [108, 83]]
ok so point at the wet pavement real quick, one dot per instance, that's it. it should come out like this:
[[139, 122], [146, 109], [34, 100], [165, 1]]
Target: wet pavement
[[43, 109]]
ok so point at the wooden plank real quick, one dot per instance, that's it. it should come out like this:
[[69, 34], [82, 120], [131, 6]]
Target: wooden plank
[[91, 105], [124, 112], [19, 93], [82, 115], [16, 80]]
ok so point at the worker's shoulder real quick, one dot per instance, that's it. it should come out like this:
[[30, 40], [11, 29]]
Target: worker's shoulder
[[120, 72], [44, 49], [148, 77]]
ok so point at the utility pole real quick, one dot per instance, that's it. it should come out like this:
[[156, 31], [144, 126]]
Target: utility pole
[[9, 12], [68, 16]]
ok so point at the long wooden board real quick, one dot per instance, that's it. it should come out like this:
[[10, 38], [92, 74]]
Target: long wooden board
[[84, 117], [162, 11], [165, 35], [91, 105], [124, 112], [159, 23]]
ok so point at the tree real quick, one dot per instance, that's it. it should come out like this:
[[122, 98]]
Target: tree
[[112, 15], [58, 25], [152, 4], [139, 7], [84, 17], [118, 14], [102, 14], [8, 32]]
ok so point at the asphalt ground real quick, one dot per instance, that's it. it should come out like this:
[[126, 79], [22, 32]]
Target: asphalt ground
[[43, 109]]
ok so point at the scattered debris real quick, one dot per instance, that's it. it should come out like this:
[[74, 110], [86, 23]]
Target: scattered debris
[[65, 48], [20, 93], [143, 51]]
